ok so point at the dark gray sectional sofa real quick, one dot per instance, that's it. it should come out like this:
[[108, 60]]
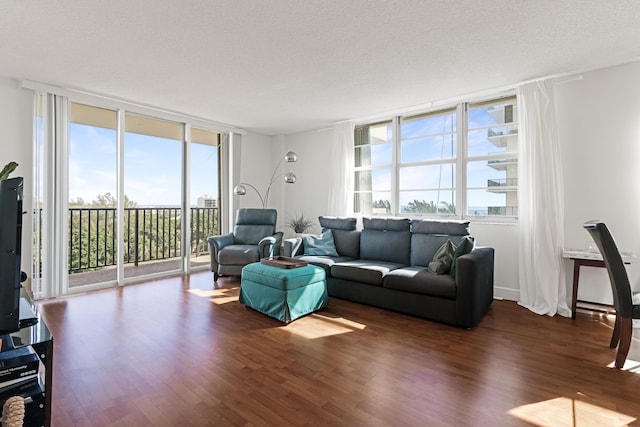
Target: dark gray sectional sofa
[[385, 265]]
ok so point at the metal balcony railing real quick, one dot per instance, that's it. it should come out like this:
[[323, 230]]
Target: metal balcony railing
[[149, 234], [503, 210], [502, 182]]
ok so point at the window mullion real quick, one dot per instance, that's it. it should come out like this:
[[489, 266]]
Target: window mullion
[[461, 161], [395, 166]]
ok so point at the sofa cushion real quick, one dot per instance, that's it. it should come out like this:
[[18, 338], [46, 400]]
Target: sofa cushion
[[383, 245], [347, 242], [325, 262], [390, 224], [363, 270], [441, 263], [425, 246], [346, 223], [319, 245], [238, 254], [419, 280], [429, 226], [345, 235], [386, 239], [429, 235], [251, 234], [464, 247]]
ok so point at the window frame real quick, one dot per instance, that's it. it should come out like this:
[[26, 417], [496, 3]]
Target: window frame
[[443, 161], [506, 155], [391, 166], [460, 161]]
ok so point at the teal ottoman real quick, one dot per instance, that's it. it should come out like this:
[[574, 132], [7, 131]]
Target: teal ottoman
[[285, 294]]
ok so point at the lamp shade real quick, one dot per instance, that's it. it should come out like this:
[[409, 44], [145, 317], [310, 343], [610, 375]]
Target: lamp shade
[[291, 157], [290, 178]]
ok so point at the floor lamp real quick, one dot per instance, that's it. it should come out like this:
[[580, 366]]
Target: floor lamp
[[289, 178]]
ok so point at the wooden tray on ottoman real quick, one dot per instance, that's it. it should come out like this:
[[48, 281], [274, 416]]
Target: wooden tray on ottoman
[[283, 262]]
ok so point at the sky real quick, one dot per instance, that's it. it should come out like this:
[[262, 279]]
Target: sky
[[152, 167]]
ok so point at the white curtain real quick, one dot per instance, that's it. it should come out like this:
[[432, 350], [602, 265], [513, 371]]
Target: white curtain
[[341, 174], [541, 202]]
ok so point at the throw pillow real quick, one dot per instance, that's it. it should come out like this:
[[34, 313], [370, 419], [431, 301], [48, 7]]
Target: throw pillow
[[319, 245], [441, 262], [464, 247]]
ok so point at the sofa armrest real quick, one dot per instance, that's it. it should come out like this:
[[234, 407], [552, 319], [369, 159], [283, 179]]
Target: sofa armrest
[[293, 247], [474, 282], [270, 246], [215, 244]]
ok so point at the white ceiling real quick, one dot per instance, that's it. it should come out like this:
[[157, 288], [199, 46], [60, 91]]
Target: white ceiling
[[283, 66]]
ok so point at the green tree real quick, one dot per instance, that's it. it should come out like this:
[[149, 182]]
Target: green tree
[[382, 204], [149, 233], [92, 232], [424, 207]]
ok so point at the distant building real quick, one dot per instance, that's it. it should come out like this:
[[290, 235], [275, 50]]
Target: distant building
[[506, 138], [207, 201]]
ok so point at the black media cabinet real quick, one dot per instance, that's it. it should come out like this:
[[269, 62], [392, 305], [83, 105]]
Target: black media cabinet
[[37, 391]]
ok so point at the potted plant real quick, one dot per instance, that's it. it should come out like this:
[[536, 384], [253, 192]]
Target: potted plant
[[6, 171], [298, 223]]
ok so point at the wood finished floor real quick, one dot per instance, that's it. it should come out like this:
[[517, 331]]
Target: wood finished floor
[[175, 352]]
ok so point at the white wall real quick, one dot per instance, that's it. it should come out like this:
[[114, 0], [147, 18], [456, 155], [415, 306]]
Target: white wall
[[310, 194], [255, 164], [16, 113], [599, 120]]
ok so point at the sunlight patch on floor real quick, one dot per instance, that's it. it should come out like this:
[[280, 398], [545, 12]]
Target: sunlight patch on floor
[[318, 325], [217, 296], [564, 411]]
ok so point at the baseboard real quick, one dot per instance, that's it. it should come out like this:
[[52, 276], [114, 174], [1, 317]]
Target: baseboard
[[506, 293]]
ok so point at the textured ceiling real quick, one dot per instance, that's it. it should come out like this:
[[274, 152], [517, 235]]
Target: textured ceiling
[[282, 66]]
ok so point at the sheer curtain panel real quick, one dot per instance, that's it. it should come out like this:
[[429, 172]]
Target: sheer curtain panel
[[340, 171], [541, 203]]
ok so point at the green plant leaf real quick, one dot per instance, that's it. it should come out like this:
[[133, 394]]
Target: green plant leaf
[[298, 223], [6, 171]]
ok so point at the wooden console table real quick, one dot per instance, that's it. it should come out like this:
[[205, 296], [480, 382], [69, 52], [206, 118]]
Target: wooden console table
[[587, 259]]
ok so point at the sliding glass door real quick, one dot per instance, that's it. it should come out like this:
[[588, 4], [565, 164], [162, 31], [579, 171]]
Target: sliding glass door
[[204, 200], [92, 195], [153, 194], [119, 196]]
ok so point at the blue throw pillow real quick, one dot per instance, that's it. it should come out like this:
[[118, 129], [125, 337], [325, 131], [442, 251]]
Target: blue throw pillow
[[319, 245]]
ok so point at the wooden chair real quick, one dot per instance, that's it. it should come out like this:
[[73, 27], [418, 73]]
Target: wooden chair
[[626, 311]]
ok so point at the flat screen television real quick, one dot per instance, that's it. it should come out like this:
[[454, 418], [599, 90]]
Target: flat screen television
[[11, 193]]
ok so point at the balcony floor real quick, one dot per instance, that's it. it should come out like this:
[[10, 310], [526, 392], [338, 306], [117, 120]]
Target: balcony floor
[[130, 270]]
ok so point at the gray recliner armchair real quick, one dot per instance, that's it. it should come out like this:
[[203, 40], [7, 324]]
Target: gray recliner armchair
[[254, 237]]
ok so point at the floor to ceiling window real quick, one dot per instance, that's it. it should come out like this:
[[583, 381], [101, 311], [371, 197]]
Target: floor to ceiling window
[[92, 194], [119, 195], [152, 190], [204, 190]]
